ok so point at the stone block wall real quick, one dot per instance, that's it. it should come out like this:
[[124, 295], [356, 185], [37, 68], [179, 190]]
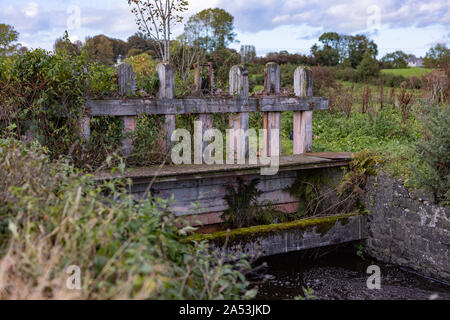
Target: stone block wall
[[407, 228]]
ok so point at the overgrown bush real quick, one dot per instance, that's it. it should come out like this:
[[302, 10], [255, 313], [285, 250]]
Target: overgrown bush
[[433, 150], [52, 217]]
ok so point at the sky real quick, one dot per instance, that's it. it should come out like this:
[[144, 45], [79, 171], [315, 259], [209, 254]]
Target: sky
[[269, 25]]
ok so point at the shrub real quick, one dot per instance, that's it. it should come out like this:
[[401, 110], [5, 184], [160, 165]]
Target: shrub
[[391, 80], [52, 217], [345, 74], [436, 87], [102, 81], [433, 150], [368, 68], [323, 80], [144, 67]]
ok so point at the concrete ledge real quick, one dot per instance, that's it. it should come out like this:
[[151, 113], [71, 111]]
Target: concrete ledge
[[294, 236]]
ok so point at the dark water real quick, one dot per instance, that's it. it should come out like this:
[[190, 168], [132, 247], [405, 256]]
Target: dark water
[[339, 274]]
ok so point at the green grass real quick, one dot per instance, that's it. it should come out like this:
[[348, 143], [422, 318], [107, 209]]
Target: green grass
[[407, 72], [385, 133]]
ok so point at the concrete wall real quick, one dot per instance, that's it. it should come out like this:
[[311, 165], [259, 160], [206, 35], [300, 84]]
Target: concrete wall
[[201, 200], [406, 228], [288, 237]]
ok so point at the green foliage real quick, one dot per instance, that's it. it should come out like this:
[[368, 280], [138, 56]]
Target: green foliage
[[43, 94], [102, 80], [148, 141], [223, 59], [144, 67], [309, 187], [242, 203], [244, 210], [52, 217], [308, 294], [361, 168], [384, 133], [368, 68], [433, 150], [343, 49], [395, 60], [7, 38], [438, 57]]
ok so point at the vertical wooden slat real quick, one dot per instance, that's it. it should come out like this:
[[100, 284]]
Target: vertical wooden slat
[[303, 87], [127, 86], [239, 121], [272, 120], [84, 122], [207, 120], [167, 91]]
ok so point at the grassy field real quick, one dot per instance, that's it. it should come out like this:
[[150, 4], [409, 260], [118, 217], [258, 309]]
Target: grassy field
[[408, 72]]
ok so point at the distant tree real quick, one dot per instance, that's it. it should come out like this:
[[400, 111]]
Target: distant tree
[[139, 42], [223, 59], [120, 48], [248, 53], [438, 57], [342, 49], [358, 46], [326, 56], [64, 44], [210, 29], [134, 52], [7, 38], [368, 67], [155, 18], [100, 49], [283, 57], [395, 60]]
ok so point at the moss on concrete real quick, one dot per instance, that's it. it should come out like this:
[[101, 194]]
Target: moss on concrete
[[245, 235]]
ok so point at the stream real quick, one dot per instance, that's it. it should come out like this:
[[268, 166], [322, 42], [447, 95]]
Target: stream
[[338, 273]]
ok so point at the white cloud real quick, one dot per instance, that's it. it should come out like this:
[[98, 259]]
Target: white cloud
[[341, 16], [31, 10]]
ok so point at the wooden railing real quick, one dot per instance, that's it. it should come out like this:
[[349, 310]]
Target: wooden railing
[[238, 104]]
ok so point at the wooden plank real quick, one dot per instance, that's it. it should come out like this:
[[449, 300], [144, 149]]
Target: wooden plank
[[239, 144], [272, 120], [85, 128], [303, 87], [206, 122], [129, 126], [211, 182], [127, 86], [132, 107], [199, 171], [126, 79], [166, 76]]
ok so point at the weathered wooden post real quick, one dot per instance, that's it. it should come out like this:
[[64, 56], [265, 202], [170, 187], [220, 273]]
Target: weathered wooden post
[[272, 120], [166, 76], [206, 120], [127, 86], [239, 121], [84, 123], [303, 87]]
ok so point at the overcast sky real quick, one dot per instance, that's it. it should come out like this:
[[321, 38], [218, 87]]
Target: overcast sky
[[270, 25]]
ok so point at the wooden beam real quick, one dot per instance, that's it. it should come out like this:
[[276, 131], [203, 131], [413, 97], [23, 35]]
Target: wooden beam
[[303, 87], [130, 107]]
